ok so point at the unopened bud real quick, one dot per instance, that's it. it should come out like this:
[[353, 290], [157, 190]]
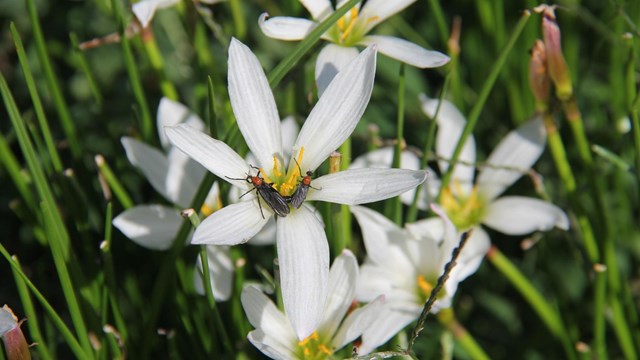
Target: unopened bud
[[558, 70], [15, 345], [538, 74]]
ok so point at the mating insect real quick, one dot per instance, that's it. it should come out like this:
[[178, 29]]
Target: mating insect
[[298, 196], [269, 194]]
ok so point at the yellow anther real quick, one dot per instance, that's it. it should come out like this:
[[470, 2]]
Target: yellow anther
[[372, 19], [276, 168], [307, 352], [290, 183], [353, 16], [313, 336], [323, 348], [425, 286]]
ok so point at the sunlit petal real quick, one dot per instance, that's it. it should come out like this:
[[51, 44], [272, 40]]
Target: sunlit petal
[[520, 149], [450, 126], [338, 111], [303, 255], [388, 323], [151, 161], [213, 154], [183, 178], [319, 9], [144, 10], [150, 226], [376, 11], [233, 224], [357, 322], [341, 291], [172, 113], [285, 27], [253, 104], [519, 215], [360, 186], [406, 51]]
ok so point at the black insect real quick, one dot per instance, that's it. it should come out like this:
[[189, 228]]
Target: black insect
[[268, 193], [298, 196]]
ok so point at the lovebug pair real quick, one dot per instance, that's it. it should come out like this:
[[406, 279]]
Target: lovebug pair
[[278, 203]]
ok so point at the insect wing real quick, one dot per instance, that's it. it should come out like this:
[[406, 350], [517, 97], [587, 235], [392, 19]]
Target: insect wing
[[276, 202], [299, 195]]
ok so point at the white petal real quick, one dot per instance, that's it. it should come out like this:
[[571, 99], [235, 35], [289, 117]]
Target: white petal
[[376, 11], [270, 346], [406, 51], [361, 186], [172, 113], [183, 178], [357, 322], [233, 224], [150, 226], [285, 27], [253, 104], [213, 154], [424, 246], [384, 279], [338, 111], [388, 323], [519, 215], [520, 149], [331, 60], [451, 235], [450, 125], [290, 129], [303, 255], [319, 9], [383, 239], [144, 10], [341, 291], [266, 236], [264, 316], [151, 161], [470, 259], [220, 272]]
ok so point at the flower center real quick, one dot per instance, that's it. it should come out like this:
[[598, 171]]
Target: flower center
[[313, 348], [209, 208], [284, 183], [348, 31], [464, 211]]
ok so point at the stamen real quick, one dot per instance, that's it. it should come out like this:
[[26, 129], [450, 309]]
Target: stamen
[[206, 210], [323, 348], [372, 19], [265, 176], [424, 285], [287, 187], [276, 168], [353, 16]]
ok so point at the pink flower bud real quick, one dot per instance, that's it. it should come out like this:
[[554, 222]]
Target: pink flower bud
[[539, 74], [558, 70]]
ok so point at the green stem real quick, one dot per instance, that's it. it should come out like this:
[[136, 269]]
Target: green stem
[[37, 103], [52, 82], [394, 206], [441, 23], [238, 19], [30, 312], [549, 316], [81, 62], [461, 335], [474, 115], [157, 63], [113, 182], [412, 215], [146, 123]]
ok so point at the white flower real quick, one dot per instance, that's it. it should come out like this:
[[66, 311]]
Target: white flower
[[302, 247], [469, 204], [144, 10], [177, 178], [350, 31], [275, 337], [404, 265]]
